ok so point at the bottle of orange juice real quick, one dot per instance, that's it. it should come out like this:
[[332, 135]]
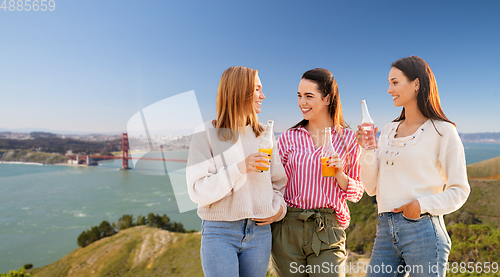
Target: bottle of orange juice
[[326, 153], [266, 144]]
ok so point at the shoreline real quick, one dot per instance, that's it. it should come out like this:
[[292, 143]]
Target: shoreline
[[34, 163], [13, 162]]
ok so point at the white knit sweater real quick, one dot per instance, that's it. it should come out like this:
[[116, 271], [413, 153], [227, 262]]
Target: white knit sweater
[[221, 191], [424, 166]]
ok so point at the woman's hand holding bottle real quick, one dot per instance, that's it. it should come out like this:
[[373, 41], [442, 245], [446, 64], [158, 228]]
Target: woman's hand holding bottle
[[368, 139], [361, 136], [335, 161], [250, 164], [259, 162]]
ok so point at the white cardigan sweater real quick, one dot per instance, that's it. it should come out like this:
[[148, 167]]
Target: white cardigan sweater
[[424, 166], [221, 191]]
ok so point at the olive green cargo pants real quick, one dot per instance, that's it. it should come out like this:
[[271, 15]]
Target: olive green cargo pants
[[308, 243]]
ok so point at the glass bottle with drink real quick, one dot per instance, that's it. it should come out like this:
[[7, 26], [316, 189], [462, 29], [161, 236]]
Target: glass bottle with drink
[[326, 153], [266, 144], [368, 126]]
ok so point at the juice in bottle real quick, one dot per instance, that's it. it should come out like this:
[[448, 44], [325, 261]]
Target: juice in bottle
[[266, 144], [325, 170], [268, 151], [326, 153]]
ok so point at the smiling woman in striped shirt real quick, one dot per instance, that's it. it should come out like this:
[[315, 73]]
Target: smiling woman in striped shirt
[[312, 232]]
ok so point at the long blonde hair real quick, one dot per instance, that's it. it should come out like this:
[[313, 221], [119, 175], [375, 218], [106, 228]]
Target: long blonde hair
[[235, 103]]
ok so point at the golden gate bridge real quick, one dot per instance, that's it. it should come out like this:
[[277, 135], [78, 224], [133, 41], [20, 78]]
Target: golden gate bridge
[[125, 157]]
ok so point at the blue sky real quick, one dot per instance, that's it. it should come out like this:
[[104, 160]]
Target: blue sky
[[89, 66]]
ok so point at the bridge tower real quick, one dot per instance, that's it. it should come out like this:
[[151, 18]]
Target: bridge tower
[[125, 151]]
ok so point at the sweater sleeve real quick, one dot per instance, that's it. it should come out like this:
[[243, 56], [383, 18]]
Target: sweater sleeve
[[354, 186], [279, 180], [370, 165], [207, 184], [454, 171]]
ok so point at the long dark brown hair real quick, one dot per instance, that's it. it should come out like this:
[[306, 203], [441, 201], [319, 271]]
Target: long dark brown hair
[[328, 88], [427, 97]]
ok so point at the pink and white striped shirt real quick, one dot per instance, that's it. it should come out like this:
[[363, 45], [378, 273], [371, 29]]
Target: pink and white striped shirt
[[306, 188]]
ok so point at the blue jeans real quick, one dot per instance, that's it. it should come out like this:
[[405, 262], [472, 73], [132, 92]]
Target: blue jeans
[[417, 246], [235, 248]]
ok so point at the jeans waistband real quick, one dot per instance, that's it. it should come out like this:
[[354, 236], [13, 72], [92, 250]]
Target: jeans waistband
[[391, 213]]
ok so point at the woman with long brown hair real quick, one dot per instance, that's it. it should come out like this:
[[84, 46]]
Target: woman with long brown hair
[[237, 201], [310, 240], [418, 174]]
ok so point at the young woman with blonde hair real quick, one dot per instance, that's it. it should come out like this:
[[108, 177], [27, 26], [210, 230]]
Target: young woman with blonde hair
[[236, 201]]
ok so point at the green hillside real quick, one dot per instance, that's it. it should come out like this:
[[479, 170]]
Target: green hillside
[[138, 251], [31, 156], [489, 169]]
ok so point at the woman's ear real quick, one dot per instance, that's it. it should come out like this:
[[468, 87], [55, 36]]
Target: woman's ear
[[327, 99], [416, 82]]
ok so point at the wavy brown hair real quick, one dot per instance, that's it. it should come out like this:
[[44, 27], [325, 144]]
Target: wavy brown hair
[[428, 96], [235, 103]]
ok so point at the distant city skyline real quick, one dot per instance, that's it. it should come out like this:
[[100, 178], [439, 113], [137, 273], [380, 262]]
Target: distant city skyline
[[88, 67]]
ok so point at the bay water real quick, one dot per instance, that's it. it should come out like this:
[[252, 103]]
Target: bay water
[[477, 152], [43, 209]]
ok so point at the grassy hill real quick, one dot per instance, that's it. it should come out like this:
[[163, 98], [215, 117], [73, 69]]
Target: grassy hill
[[489, 169], [139, 251], [31, 156]]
